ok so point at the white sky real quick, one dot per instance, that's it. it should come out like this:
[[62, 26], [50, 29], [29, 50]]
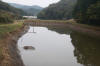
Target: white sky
[[42, 3]]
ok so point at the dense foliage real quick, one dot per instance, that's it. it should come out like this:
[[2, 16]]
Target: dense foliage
[[61, 10], [9, 13], [6, 17], [7, 7], [93, 13], [87, 11]]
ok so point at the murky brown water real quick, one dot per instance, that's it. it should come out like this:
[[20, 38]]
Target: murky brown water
[[58, 47]]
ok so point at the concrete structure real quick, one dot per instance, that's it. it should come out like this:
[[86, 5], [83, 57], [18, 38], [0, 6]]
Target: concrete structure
[[30, 17]]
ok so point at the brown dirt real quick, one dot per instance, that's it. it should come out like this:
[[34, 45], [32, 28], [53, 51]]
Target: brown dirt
[[10, 55]]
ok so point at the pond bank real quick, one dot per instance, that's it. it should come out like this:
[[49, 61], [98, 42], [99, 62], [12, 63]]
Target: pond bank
[[89, 30], [8, 49]]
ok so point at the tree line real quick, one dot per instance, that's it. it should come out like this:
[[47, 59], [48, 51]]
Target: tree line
[[83, 11], [61, 10], [87, 12], [9, 13]]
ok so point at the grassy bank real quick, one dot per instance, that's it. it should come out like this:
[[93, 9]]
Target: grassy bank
[[71, 21], [96, 28], [38, 20], [4, 30]]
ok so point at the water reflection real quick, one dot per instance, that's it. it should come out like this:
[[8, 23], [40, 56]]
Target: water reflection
[[87, 49], [59, 46]]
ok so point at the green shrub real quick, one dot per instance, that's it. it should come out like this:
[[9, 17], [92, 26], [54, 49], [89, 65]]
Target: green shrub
[[93, 13], [6, 17]]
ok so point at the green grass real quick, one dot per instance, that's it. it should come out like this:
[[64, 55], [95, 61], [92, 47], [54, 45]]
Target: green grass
[[96, 28], [37, 20], [1, 53], [6, 28]]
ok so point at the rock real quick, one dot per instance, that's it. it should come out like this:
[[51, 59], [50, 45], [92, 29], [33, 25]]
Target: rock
[[29, 47]]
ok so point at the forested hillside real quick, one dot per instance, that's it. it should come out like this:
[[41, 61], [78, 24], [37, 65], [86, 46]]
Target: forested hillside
[[8, 13], [31, 10], [60, 10], [6, 7], [88, 11]]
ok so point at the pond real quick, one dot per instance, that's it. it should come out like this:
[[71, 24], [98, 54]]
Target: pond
[[58, 46]]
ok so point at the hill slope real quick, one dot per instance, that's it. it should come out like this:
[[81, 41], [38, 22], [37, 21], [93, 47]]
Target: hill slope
[[61, 10], [6, 7], [9, 13], [31, 10]]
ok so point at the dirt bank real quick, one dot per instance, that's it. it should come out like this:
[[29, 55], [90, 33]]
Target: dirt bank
[[89, 30], [10, 55], [86, 30]]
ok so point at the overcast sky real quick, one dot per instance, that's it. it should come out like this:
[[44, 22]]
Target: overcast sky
[[42, 3]]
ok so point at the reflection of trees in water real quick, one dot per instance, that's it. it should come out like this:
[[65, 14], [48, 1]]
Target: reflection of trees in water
[[86, 49], [61, 30]]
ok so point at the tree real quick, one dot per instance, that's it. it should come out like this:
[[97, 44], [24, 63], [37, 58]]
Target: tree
[[93, 13], [84, 9], [6, 17], [60, 10]]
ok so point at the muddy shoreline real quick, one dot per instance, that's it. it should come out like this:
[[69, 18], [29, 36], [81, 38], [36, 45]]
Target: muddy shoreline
[[91, 31], [85, 31], [10, 53]]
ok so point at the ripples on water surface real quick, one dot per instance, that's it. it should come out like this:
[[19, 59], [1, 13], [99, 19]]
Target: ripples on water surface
[[58, 47]]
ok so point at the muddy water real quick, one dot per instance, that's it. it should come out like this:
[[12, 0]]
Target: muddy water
[[54, 46]]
